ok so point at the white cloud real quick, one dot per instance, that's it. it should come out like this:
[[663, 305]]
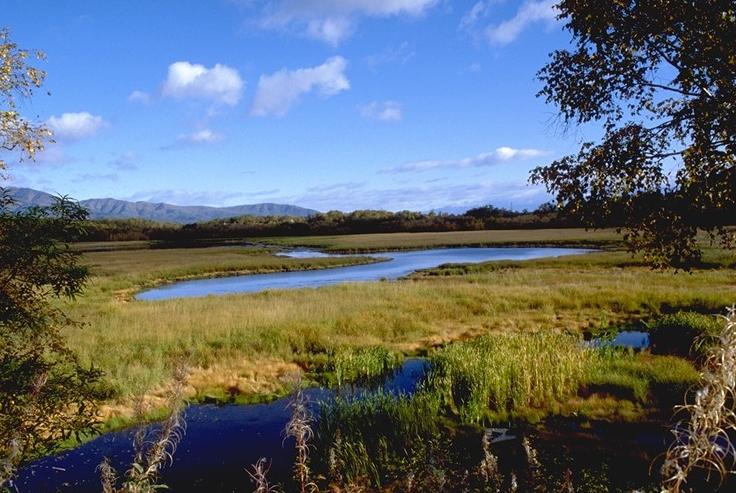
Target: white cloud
[[204, 136], [387, 111], [334, 20], [75, 125], [187, 197], [470, 19], [500, 155], [276, 93], [529, 13], [346, 197], [331, 29], [139, 97], [220, 83]]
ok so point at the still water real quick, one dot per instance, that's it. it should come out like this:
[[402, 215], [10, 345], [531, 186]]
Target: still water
[[393, 266]]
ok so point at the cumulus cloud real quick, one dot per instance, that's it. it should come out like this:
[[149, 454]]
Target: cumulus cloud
[[75, 125], [499, 156], [139, 97], [387, 111], [278, 92], [529, 13], [204, 136], [220, 83], [334, 20]]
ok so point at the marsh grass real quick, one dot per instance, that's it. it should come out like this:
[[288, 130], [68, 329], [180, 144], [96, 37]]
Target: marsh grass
[[244, 345], [360, 365], [502, 375]]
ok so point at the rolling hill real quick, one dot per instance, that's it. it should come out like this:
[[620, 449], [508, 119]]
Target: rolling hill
[[123, 209]]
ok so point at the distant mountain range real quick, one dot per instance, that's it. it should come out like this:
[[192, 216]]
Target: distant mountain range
[[123, 209]]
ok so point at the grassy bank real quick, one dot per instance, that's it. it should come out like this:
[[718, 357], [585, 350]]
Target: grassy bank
[[245, 345], [571, 237]]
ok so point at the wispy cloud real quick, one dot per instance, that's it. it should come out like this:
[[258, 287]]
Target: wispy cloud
[[393, 54], [220, 83], [204, 136], [387, 111], [139, 97], [332, 21], [186, 197], [337, 187], [95, 177], [262, 193], [530, 12], [475, 20], [492, 158], [420, 197], [478, 11], [126, 161], [75, 126], [278, 92]]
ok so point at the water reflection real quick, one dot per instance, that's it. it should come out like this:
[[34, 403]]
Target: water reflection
[[394, 266]]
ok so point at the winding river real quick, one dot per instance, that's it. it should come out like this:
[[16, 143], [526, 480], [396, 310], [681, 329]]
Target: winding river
[[391, 265]]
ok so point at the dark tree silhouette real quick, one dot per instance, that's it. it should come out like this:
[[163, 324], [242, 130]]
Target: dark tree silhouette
[[661, 77]]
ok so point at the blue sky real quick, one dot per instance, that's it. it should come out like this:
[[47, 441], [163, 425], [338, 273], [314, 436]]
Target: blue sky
[[328, 104]]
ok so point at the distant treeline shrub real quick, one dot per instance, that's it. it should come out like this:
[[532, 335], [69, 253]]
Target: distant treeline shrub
[[330, 223]]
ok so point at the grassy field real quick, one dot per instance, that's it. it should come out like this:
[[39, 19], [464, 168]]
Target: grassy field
[[246, 345]]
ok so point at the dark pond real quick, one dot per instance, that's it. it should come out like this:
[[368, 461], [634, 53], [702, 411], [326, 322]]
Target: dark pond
[[394, 266], [220, 442]]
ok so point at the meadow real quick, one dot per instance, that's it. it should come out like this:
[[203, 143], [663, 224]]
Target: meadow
[[245, 347]]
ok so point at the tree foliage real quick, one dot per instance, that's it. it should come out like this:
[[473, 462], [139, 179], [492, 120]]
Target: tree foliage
[[46, 396], [661, 77], [18, 80]]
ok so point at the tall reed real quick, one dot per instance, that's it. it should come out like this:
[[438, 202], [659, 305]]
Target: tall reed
[[153, 448], [703, 440], [299, 428]]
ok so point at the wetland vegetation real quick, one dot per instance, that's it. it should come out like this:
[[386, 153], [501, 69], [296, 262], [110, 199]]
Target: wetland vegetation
[[242, 344]]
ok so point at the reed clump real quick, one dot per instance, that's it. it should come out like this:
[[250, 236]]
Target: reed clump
[[362, 364], [505, 374]]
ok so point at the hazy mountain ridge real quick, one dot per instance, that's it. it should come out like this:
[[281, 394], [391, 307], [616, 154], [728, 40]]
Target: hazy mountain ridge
[[158, 211]]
